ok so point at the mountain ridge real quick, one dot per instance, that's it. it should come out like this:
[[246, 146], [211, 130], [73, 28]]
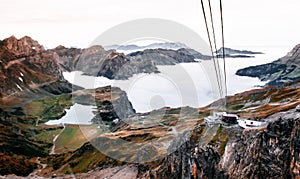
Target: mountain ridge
[[278, 72], [26, 65]]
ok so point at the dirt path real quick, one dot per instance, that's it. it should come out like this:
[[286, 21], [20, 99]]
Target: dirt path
[[54, 140], [12, 62]]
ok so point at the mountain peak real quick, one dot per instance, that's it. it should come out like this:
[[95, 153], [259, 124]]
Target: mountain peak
[[23, 46], [60, 47], [11, 38]]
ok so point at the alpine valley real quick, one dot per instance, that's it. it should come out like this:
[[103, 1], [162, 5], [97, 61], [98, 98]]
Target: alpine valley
[[118, 142]]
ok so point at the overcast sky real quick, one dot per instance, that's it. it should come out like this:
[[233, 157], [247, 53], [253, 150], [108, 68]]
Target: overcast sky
[[78, 23]]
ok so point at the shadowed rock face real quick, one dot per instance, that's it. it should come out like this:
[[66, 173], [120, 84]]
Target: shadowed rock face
[[112, 103], [273, 153], [283, 70]]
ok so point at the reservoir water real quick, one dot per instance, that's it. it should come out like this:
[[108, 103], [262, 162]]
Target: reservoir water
[[77, 114]]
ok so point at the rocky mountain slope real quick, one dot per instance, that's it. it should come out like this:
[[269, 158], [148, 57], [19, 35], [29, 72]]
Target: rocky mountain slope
[[177, 143], [24, 138], [272, 153], [18, 149], [27, 67], [283, 70], [96, 61]]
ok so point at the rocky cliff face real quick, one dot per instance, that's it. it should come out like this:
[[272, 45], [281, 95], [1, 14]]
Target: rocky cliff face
[[283, 70], [26, 66], [272, 153], [112, 103]]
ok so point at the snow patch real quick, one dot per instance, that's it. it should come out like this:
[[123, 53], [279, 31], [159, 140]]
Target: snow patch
[[21, 79], [21, 74], [19, 87]]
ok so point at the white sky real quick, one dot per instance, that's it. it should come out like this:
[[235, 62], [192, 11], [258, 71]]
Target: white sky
[[78, 23]]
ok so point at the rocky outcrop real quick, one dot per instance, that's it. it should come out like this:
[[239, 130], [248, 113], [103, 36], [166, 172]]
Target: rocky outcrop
[[119, 67], [26, 66], [189, 161], [273, 153], [283, 70], [112, 103], [68, 57], [167, 57]]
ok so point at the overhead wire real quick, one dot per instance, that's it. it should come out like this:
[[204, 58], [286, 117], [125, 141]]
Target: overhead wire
[[223, 47], [211, 48], [215, 45]]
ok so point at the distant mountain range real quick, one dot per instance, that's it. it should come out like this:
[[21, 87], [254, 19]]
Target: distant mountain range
[[167, 45], [283, 70], [229, 52], [96, 61]]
